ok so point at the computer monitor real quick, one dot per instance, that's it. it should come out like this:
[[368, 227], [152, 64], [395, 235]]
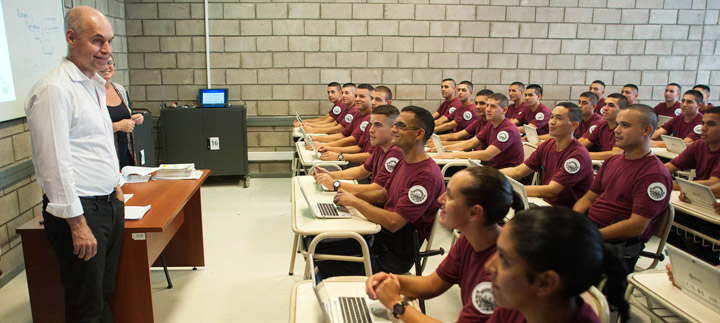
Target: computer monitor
[[213, 98]]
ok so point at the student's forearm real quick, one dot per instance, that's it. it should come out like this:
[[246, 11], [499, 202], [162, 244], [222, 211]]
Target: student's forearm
[[544, 137], [542, 191], [328, 138], [445, 126], [356, 188], [343, 149], [356, 158], [453, 136], [376, 197], [422, 287], [602, 155]]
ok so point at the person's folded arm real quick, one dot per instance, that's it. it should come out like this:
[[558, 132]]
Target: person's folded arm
[[447, 126], [517, 172], [602, 155], [626, 229], [545, 191]]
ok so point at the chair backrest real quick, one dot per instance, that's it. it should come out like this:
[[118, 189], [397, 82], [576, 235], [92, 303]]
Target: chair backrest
[[661, 230], [365, 258], [430, 238], [598, 303]]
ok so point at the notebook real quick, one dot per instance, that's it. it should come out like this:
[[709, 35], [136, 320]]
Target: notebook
[[673, 144], [531, 134], [698, 194], [324, 209], [695, 277], [213, 98], [438, 143], [663, 120]]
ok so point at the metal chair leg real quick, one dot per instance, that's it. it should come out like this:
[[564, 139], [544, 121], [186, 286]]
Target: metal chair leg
[[167, 274]]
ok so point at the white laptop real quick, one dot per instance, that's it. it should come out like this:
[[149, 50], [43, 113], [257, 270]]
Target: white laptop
[[673, 144], [519, 188], [531, 134], [698, 194], [309, 140], [299, 119], [695, 277], [663, 120], [438, 143], [324, 209]]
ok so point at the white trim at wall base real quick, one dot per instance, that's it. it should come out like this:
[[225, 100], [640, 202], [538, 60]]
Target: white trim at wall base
[[270, 156]]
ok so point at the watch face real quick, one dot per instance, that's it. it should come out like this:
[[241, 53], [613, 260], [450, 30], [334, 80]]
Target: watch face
[[399, 309]]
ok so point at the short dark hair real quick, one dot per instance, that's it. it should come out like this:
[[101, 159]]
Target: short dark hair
[[649, 118], [622, 100], [336, 85], [352, 85], [449, 79], [519, 84], [501, 98], [675, 84], [468, 83], [386, 90], [574, 112], [713, 110], [698, 96], [632, 86], [590, 95], [423, 118], [485, 92], [703, 87], [536, 87], [365, 87], [491, 190], [388, 110], [599, 82]]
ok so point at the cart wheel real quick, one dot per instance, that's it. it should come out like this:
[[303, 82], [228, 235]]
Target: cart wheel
[[246, 181]]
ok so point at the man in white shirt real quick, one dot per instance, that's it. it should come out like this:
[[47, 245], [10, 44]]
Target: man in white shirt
[[76, 165]]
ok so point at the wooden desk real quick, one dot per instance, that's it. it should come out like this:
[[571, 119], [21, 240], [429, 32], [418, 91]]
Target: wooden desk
[[173, 227]]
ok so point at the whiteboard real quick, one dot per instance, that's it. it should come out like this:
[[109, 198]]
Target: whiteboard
[[35, 38]]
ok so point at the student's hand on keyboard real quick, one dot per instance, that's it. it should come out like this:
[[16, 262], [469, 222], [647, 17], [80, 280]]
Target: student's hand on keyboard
[[324, 180], [444, 156], [716, 206], [329, 156], [344, 198], [322, 148]]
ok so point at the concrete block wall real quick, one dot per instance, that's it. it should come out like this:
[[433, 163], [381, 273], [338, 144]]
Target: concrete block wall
[[277, 56], [21, 201]]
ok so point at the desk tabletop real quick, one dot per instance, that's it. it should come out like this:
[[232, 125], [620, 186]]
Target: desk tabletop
[[297, 133], [694, 210], [304, 223], [656, 285], [306, 157], [443, 162], [663, 152]]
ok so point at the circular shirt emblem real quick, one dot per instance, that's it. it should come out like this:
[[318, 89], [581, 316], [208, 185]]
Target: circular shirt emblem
[[503, 136], [390, 164], [363, 125], [451, 110], [592, 128], [348, 118], [417, 194], [677, 111], [540, 117], [657, 191], [336, 110], [482, 298], [467, 115], [697, 129], [572, 165]]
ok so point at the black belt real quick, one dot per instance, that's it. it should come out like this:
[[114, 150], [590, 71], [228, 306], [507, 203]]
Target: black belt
[[106, 198]]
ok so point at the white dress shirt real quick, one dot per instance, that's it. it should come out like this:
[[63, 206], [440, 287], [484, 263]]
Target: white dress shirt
[[72, 138]]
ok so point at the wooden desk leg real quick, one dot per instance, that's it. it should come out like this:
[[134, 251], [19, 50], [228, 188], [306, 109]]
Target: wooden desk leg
[[186, 248], [132, 300], [293, 254], [47, 299]]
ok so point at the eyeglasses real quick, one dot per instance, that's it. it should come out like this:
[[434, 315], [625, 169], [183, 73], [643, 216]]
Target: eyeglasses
[[402, 126], [111, 63]]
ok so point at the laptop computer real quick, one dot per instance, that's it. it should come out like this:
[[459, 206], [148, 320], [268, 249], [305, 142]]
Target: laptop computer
[[698, 194], [673, 144], [519, 188], [309, 140], [438, 143], [213, 98], [663, 120], [695, 277], [531, 134], [299, 119], [324, 209]]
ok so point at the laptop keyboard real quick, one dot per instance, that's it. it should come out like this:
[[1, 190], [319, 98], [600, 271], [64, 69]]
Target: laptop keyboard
[[354, 309], [328, 209]]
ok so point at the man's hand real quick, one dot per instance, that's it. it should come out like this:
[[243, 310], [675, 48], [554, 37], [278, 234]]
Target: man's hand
[[372, 283], [716, 206], [657, 143], [388, 292], [444, 156], [683, 198], [322, 148], [325, 180], [670, 274], [344, 198], [329, 156], [124, 125], [84, 243]]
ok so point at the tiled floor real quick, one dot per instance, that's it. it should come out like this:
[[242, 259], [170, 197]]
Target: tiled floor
[[247, 251]]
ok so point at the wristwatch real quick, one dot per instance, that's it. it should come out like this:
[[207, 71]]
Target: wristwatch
[[336, 185], [340, 157], [399, 309]]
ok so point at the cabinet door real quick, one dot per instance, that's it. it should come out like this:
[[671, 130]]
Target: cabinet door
[[227, 128], [183, 137]]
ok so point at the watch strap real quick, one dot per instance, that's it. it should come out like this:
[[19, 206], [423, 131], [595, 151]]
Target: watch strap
[[399, 308]]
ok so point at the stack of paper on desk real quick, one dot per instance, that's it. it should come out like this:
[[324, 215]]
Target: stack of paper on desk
[[137, 174], [178, 171], [136, 212]]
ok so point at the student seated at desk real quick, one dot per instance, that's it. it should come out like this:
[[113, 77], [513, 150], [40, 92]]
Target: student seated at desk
[[498, 142], [359, 153], [631, 190], [472, 129], [446, 109], [460, 118], [380, 164], [686, 125], [345, 117], [566, 165], [546, 258], [535, 114], [702, 155], [671, 106], [334, 116], [409, 197], [476, 201], [705, 90], [351, 134], [603, 135], [587, 103]]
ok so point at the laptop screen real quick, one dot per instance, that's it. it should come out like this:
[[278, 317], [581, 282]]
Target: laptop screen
[[213, 98]]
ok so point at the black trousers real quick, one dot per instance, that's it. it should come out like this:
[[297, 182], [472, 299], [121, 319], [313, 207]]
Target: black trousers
[[88, 284]]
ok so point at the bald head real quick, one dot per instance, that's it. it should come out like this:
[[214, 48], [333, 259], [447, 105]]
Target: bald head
[[78, 18], [88, 34]]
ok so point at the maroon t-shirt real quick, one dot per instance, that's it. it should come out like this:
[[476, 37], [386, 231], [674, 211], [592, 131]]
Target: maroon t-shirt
[[601, 134], [464, 116], [364, 141], [412, 192], [513, 111], [347, 116], [356, 128], [502, 315], [599, 106], [475, 126], [539, 118], [381, 163], [337, 110], [448, 107], [663, 110], [697, 155], [679, 128], [584, 126], [571, 167], [641, 186], [505, 137], [466, 267]]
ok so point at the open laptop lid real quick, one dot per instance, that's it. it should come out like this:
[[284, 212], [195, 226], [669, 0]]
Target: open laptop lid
[[698, 194], [312, 144], [695, 277], [438, 143], [663, 120], [673, 144], [519, 188], [531, 134], [473, 163], [213, 98], [299, 119]]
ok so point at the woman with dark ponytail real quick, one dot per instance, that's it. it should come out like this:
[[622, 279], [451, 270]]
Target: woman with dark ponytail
[[475, 202], [546, 258]]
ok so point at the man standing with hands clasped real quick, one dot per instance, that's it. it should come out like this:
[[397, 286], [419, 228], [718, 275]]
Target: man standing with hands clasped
[[76, 165]]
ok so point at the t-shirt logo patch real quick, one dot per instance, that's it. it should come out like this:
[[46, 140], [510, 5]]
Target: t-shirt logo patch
[[540, 117], [417, 194], [336, 110], [363, 125], [572, 165], [482, 298], [390, 164], [657, 191], [348, 118], [677, 111], [467, 115], [503, 136], [697, 129], [451, 110], [592, 128]]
